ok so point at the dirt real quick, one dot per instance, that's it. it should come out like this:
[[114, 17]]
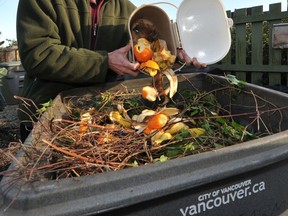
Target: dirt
[[9, 133]]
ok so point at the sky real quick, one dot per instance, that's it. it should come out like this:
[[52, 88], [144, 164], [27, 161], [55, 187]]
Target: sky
[[8, 10]]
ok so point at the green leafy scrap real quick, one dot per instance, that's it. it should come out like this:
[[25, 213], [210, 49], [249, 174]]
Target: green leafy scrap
[[44, 107], [234, 81], [3, 73]]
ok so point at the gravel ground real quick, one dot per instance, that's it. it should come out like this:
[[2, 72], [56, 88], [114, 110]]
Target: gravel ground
[[9, 132]]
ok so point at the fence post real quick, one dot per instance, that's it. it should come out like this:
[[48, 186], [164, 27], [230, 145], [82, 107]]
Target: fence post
[[257, 45], [274, 54], [241, 42]]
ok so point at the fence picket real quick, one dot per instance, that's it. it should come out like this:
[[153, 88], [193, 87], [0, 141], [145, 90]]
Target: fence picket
[[248, 58], [241, 42], [257, 45]]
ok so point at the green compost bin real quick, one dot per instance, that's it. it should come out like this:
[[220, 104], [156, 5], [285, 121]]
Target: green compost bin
[[244, 179], [12, 83]]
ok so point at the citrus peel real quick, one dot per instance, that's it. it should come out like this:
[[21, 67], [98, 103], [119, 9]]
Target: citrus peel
[[150, 67], [116, 117], [86, 119], [149, 93], [142, 50]]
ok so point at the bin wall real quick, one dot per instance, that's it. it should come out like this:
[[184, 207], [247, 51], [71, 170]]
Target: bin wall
[[12, 83]]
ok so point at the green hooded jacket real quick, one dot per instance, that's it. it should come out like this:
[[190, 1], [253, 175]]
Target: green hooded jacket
[[54, 44]]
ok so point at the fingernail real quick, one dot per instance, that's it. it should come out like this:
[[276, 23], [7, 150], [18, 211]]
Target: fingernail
[[188, 60], [180, 55]]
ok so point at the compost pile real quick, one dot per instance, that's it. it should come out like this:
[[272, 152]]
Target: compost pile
[[111, 131], [117, 130], [9, 134]]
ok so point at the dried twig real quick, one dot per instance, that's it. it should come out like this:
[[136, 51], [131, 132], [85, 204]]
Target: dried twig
[[106, 146]]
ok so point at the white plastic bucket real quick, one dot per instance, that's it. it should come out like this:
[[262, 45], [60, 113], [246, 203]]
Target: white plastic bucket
[[202, 28]]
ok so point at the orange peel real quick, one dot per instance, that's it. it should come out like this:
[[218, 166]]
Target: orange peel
[[142, 50], [150, 66], [149, 93], [158, 121]]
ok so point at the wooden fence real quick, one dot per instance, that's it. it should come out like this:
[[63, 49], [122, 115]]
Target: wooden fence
[[252, 57], [9, 54]]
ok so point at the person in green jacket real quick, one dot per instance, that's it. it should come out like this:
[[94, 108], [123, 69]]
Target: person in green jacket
[[65, 44]]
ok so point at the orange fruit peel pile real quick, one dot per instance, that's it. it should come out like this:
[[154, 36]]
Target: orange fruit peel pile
[[156, 58], [162, 124]]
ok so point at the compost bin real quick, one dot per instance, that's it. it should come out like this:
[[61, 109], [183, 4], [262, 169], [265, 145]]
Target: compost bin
[[248, 178], [12, 83]]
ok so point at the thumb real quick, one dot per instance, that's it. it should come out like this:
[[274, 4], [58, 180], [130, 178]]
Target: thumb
[[126, 48]]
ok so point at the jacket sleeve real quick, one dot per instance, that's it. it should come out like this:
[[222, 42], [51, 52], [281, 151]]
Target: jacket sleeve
[[53, 48]]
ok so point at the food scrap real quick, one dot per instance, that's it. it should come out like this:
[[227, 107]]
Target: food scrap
[[142, 50], [109, 131], [156, 60], [162, 124]]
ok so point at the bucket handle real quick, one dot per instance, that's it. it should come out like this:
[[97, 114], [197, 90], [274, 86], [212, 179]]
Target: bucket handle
[[157, 3], [183, 64]]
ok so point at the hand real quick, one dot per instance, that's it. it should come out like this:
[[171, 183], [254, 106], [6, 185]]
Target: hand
[[118, 62], [183, 56]]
